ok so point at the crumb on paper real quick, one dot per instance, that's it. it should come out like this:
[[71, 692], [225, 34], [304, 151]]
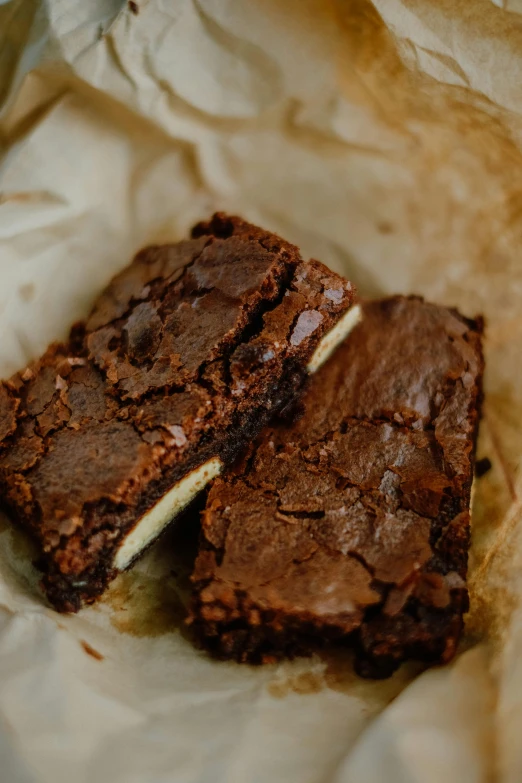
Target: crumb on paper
[[134, 8], [482, 467], [91, 651]]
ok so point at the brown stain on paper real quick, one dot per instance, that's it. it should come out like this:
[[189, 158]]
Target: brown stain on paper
[[340, 676], [91, 651], [336, 672], [143, 605], [303, 683], [29, 197], [22, 545], [153, 602]]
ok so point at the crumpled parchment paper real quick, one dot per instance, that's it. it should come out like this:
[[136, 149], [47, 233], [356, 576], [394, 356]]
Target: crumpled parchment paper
[[384, 137]]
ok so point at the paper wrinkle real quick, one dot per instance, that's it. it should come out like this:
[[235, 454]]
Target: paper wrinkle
[[213, 70], [24, 31], [439, 728], [385, 139], [483, 41]]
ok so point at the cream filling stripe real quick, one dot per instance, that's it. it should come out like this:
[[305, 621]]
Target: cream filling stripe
[[158, 517], [334, 337]]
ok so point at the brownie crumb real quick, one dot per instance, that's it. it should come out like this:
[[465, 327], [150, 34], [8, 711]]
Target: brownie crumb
[[482, 466], [91, 651]]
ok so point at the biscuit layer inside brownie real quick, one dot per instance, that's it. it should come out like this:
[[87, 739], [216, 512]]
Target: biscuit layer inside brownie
[[153, 521], [334, 338]]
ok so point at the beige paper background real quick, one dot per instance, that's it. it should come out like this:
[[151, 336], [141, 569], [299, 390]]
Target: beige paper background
[[385, 138]]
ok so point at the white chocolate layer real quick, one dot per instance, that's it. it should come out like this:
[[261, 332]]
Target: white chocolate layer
[[157, 518], [334, 337]]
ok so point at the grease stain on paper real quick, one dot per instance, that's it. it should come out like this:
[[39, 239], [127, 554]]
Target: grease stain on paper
[[17, 541], [302, 683], [151, 599], [142, 605], [333, 669]]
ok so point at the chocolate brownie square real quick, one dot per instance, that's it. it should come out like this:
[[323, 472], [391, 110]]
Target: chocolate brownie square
[[185, 356], [352, 523]]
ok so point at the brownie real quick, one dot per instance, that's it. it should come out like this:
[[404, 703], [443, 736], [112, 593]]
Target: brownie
[[351, 523], [185, 356]]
